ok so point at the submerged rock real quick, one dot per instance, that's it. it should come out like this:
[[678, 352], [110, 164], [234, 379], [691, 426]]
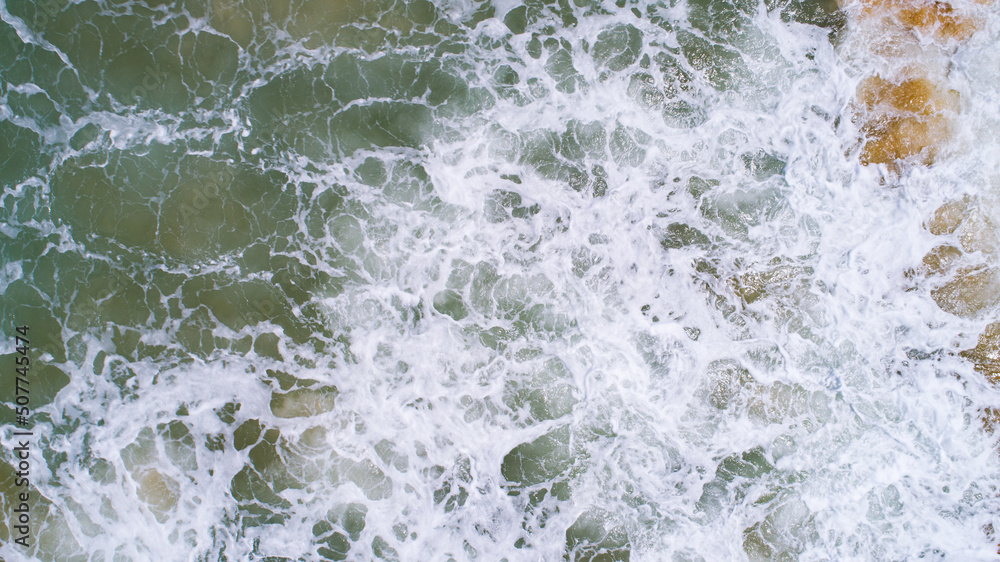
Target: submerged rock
[[906, 114], [303, 402], [972, 286], [986, 354], [158, 491], [904, 119], [970, 292], [941, 259], [948, 217], [594, 537]]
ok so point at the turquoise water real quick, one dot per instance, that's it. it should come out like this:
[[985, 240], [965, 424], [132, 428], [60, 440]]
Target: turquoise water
[[320, 280]]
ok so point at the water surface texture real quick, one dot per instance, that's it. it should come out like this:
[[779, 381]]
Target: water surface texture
[[481, 280]]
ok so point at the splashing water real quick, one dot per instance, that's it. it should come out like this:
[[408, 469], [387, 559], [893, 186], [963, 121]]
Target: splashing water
[[313, 280]]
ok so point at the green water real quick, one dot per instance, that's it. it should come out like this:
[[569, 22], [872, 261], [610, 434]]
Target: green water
[[318, 280]]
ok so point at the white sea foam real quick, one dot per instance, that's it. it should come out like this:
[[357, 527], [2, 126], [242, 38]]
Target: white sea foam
[[716, 355]]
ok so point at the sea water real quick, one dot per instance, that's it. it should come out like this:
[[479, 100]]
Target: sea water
[[477, 280]]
